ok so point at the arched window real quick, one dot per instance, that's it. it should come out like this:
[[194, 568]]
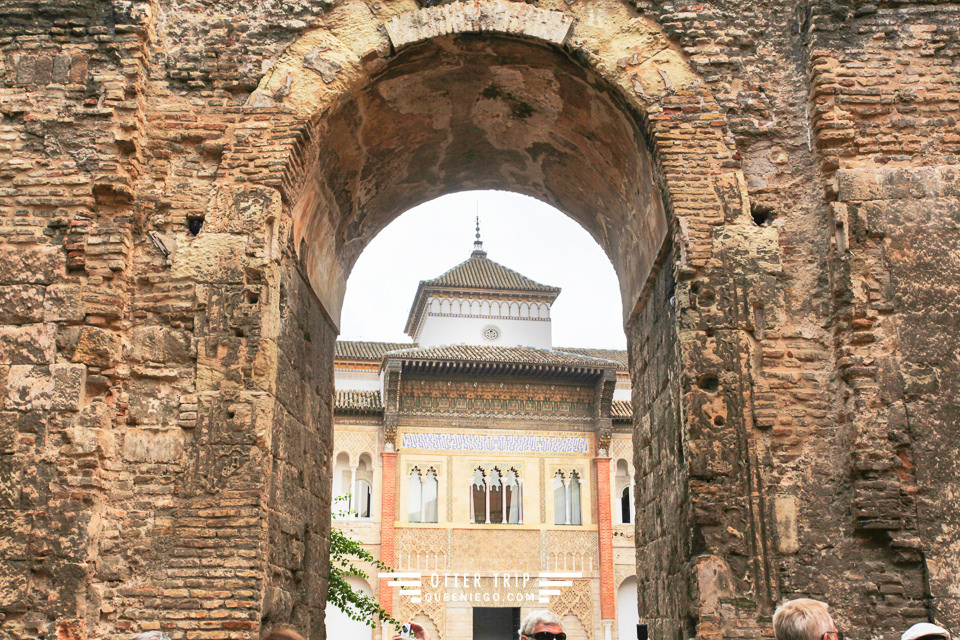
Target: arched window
[[429, 497], [342, 479], [496, 497], [512, 498], [363, 499], [478, 497], [415, 495], [574, 501], [624, 488], [559, 499], [422, 500], [363, 488]]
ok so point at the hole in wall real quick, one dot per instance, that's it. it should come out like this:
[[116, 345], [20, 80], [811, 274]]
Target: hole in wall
[[719, 421], [762, 216], [709, 383], [194, 224]]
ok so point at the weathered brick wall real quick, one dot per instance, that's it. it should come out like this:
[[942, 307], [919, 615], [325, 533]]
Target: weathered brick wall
[[164, 434], [661, 503]]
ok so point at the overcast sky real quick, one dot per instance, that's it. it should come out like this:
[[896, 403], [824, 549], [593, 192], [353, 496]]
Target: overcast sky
[[519, 232]]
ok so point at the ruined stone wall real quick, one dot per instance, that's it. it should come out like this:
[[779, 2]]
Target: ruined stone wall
[[164, 434], [661, 500]]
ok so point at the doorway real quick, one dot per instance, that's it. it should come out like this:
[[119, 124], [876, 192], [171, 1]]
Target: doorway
[[495, 623]]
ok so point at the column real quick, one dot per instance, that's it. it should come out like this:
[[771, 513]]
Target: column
[[605, 535], [353, 491], [473, 510], [487, 494], [566, 494], [630, 507], [387, 517], [519, 500]]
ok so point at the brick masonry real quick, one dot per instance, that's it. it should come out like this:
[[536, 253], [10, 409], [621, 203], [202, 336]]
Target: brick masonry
[[185, 186]]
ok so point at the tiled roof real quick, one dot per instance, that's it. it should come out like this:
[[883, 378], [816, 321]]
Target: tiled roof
[[513, 355], [358, 401], [621, 411], [479, 272], [363, 350], [620, 355]]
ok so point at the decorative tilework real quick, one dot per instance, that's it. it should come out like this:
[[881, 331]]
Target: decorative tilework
[[495, 443]]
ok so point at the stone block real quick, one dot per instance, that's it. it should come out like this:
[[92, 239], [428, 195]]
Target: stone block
[[161, 345], [21, 303], [153, 403], [8, 432], [785, 509], [27, 344], [29, 388], [11, 482], [153, 445], [97, 347], [63, 303], [243, 210], [69, 381], [211, 257], [40, 264], [14, 585]]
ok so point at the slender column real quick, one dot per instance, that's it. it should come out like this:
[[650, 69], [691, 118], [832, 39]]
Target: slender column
[[353, 491], [519, 500], [387, 517], [503, 504], [630, 506], [420, 477], [566, 494], [473, 510], [605, 540], [487, 494]]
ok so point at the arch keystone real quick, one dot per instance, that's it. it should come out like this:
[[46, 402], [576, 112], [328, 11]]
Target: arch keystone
[[508, 18]]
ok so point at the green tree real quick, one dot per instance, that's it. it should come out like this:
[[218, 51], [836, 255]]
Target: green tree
[[344, 552]]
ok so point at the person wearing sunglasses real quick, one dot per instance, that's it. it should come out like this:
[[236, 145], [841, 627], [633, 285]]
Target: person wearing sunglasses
[[804, 619], [542, 625]]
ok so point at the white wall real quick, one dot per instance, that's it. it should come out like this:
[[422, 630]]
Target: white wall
[[440, 330], [356, 380]]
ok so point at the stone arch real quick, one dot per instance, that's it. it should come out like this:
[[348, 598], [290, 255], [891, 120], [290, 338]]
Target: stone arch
[[364, 124], [319, 84]]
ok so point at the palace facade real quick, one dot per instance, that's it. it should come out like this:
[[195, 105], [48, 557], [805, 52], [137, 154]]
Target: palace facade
[[490, 470]]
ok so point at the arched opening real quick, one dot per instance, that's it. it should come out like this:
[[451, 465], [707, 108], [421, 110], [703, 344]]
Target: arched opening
[[486, 110], [463, 112], [628, 615], [339, 624]]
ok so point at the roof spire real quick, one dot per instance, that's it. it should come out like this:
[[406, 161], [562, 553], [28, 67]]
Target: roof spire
[[478, 251]]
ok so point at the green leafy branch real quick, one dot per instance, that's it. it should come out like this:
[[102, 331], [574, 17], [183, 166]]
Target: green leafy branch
[[344, 551]]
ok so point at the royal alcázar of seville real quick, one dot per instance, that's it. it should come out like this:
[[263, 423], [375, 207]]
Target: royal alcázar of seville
[[185, 186]]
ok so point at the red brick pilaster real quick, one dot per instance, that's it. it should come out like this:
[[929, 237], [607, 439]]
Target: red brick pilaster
[[387, 517], [605, 533]]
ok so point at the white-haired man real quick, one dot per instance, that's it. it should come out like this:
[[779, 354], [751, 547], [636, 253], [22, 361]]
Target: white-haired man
[[804, 619], [542, 625]]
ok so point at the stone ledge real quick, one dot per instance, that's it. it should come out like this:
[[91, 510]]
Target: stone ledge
[[898, 183], [509, 18]]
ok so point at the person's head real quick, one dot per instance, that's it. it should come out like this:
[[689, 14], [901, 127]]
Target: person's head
[[925, 631], [283, 634], [542, 622], [151, 635], [804, 619]]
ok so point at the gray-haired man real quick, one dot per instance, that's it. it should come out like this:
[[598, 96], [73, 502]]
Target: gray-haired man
[[804, 619], [542, 625]]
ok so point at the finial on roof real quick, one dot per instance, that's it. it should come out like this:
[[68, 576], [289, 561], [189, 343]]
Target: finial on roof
[[478, 251]]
